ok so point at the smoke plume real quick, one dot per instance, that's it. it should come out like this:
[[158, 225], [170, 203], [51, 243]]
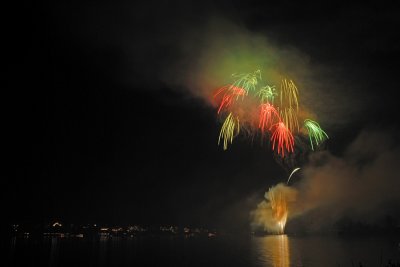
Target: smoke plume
[[361, 185]]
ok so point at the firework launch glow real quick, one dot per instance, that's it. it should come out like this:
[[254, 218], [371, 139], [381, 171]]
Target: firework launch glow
[[279, 208], [272, 213]]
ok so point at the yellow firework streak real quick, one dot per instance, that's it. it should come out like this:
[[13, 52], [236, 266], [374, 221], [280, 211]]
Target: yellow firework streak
[[228, 130], [289, 118], [289, 94]]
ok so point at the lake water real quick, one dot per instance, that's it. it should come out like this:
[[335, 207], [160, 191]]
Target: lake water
[[277, 251]]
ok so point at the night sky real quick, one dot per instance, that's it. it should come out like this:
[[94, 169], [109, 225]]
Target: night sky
[[95, 132]]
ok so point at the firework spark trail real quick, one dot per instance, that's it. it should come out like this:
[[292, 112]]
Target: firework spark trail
[[289, 93], [282, 139], [315, 132], [295, 170], [268, 116], [289, 118], [228, 130], [247, 81], [289, 107], [231, 93]]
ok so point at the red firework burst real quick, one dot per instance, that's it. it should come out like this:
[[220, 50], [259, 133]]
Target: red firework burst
[[268, 116], [232, 93], [283, 139]]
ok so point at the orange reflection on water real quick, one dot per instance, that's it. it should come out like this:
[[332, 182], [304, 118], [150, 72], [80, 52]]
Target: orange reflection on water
[[277, 249]]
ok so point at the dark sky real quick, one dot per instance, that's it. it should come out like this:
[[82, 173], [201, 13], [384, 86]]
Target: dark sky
[[93, 133]]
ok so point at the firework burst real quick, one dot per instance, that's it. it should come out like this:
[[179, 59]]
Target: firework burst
[[276, 115], [289, 94], [228, 130], [268, 117], [262, 109], [232, 93], [267, 94], [315, 133], [282, 139], [247, 81], [289, 118]]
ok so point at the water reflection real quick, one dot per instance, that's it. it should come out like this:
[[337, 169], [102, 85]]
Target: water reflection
[[12, 248], [103, 249], [266, 251], [274, 250], [54, 250]]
